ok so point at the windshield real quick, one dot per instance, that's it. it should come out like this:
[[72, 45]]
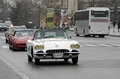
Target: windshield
[[50, 34], [2, 24], [24, 33], [12, 29]]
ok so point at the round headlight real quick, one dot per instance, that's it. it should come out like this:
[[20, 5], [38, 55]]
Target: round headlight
[[42, 46], [77, 46], [39, 47], [72, 46]]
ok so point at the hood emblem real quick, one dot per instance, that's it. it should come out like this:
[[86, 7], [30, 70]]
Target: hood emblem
[[56, 46]]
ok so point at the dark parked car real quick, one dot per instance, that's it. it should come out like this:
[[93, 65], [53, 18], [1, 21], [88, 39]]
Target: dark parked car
[[3, 26], [11, 31]]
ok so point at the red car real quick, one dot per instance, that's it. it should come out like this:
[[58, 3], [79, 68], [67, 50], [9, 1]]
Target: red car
[[19, 38], [10, 31]]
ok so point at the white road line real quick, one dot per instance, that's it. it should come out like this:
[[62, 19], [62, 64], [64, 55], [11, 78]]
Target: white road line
[[82, 45], [5, 47], [104, 45], [1, 41], [91, 45], [117, 45], [15, 69], [98, 45], [2, 37]]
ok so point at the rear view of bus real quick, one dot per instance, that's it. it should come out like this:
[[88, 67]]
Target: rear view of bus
[[99, 21], [93, 21]]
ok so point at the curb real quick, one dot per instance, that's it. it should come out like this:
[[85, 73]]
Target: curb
[[114, 35]]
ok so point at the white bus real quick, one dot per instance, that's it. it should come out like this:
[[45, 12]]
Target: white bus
[[92, 21]]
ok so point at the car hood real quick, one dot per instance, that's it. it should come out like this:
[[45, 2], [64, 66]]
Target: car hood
[[54, 40], [55, 43], [22, 39]]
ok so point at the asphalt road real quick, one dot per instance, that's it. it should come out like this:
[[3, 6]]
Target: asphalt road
[[99, 59]]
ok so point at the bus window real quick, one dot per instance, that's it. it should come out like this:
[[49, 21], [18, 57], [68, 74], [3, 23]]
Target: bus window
[[99, 13], [92, 12]]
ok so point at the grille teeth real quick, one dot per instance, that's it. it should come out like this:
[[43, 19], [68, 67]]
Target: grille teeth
[[57, 51]]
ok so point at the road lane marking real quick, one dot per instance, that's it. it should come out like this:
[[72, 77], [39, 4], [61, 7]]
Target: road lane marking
[[99, 45], [91, 45], [82, 45], [116, 45], [5, 47], [104, 45], [15, 69], [2, 37]]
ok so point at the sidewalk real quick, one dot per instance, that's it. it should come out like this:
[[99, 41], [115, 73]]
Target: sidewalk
[[115, 33]]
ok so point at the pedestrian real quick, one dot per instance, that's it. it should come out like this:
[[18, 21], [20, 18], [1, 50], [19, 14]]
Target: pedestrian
[[63, 25], [118, 25], [114, 24], [118, 18]]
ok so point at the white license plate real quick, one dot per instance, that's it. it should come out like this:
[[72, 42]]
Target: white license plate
[[57, 55]]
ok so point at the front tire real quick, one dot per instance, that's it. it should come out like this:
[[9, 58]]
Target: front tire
[[101, 36], [77, 35], [10, 47], [13, 49], [6, 41], [75, 60], [30, 59], [37, 61], [66, 59]]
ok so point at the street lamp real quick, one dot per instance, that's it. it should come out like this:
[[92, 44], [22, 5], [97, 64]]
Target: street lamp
[[39, 6], [89, 3]]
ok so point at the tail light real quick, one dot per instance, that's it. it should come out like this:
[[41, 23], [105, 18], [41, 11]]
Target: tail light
[[89, 27]]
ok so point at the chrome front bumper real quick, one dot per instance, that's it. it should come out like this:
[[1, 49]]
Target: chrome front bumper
[[57, 56]]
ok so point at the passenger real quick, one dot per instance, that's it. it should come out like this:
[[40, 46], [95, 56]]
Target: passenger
[[63, 25]]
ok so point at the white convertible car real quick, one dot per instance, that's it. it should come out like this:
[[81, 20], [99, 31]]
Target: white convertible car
[[52, 44]]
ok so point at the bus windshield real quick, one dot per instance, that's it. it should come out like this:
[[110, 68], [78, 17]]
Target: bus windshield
[[99, 13]]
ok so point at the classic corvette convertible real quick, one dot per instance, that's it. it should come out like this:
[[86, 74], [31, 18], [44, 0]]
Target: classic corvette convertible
[[52, 44], [19, 38]]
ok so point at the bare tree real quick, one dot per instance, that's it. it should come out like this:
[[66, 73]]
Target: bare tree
[[81, 4], [23, 12], [113, 5], [4, 11]]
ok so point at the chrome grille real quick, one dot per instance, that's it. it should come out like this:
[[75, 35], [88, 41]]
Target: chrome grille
[[21, 44], [58, 51]]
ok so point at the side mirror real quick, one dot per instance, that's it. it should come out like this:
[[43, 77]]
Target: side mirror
[[13, 35]]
